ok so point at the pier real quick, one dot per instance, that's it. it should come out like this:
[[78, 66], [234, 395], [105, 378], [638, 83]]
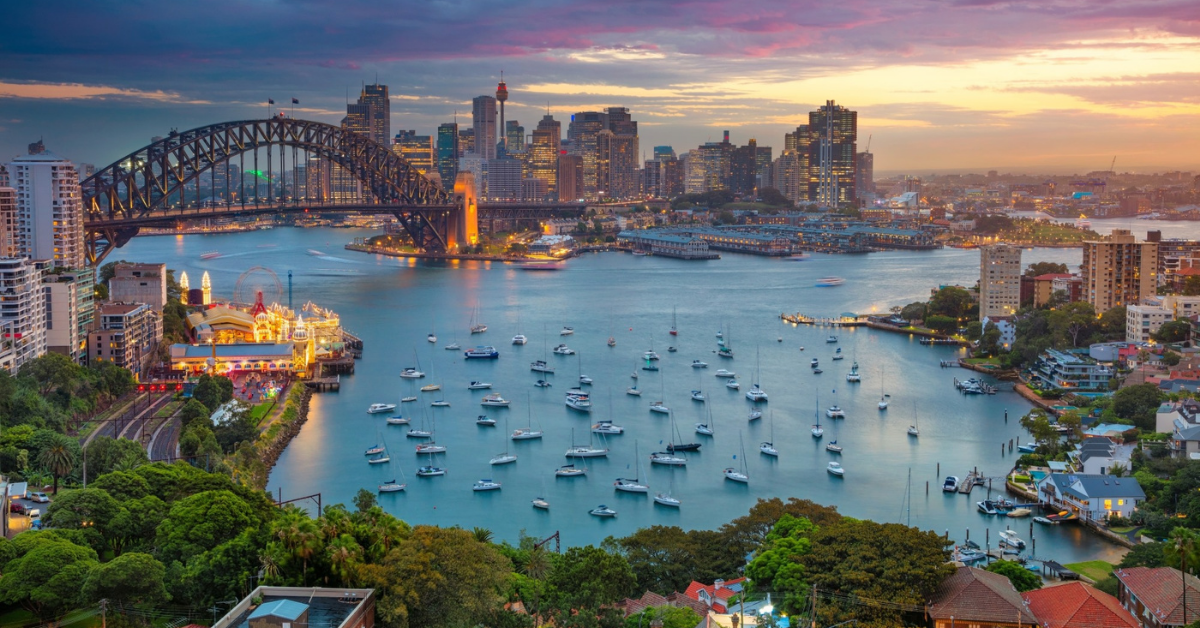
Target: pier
[[842, 321], [325, 384]]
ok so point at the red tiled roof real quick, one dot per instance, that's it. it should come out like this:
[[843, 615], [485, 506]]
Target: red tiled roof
[[1160, 590], [718, 595], [975, 595], [1077, 605], [1052, 276], [1191, 270], [651, 599]]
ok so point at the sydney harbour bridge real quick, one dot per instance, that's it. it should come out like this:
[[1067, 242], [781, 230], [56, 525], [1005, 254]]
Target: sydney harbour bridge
[[150, 187]]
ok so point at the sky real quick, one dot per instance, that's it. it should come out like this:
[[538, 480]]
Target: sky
[[1038, 86]]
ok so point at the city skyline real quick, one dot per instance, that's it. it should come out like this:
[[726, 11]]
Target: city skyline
[[1047, 87]]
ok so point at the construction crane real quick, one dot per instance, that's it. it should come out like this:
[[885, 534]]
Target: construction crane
[[869, 143], [1112, 167]]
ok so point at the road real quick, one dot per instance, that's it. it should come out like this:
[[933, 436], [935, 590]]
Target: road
[[125, 424]]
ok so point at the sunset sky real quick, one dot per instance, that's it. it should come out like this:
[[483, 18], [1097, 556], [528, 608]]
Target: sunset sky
[[1025, 86]]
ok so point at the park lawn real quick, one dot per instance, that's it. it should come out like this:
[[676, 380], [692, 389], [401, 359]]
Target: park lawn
[[1122, 530], [258, 412], [1097, 570]]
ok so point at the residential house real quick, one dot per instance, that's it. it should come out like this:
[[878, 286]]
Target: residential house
[[1097, 455], [1155, 596], [1060, 370], [1168, 413], [1095, 497], [1185, 440], [651, 599], [717, 595], [1077, 605], [979, 599]]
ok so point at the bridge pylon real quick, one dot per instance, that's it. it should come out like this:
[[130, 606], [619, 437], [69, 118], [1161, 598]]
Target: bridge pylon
[[465, 230]]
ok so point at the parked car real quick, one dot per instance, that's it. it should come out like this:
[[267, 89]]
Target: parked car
[[39, 497], [16, 508]]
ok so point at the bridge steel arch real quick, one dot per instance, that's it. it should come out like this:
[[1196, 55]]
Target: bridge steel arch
[[135, 191]]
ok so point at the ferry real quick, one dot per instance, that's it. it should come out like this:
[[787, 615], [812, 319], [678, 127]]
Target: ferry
[[482, 352], [578, 400], [210, 255], [829, 282]]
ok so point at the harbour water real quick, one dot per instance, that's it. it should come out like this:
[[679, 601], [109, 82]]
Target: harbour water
[[392, 304]]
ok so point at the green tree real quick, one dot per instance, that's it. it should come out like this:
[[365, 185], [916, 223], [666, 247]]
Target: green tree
[[1037, 423], [670, 616], [1138, 403], [885, 562], [212, 391], [58, 457], [772, 196], [129, 579], [941, 324], [1145, 555], [1173, 331], [1021, 578], [364, 500], [667, 558], [588, 578], [1191, 286], [746, 534], [1170, 358], [104, 454], [1045, 268], [777, 565], [201, 522], [46, 580], [913, 312]]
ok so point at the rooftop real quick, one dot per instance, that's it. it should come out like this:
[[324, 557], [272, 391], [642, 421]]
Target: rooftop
[[974, 595], [1160, 590], [285, 608], [327, 608], [1077, 605]]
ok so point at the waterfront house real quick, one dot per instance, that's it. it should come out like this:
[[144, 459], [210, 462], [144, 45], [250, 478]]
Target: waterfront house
[[1071, 372], [1155, 596], [1096, 455], [717, 595], [1077, 605], [1093, 497], [980, 599]]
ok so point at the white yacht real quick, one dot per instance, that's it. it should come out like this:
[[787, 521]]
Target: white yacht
[[1010, 538], [666, 500], [526, 433], [754, 415], [951, 484], [704, 428], [833, 447], [697, 364], [633, 390], [733, 384], [504, 458], [735, 474], [479, 385], [563, 350], [397, 420], [756, 394], [407, 399], [440, 403], [377, 408], [667, 459], [541, 383], [607, 427], [697, 395], [431, 387], [486, 485], [602, 510], [429, 471], [586, 451], [725, 373], [431, 337], [566, 331], [431, 448], [650, 355], [570, 471], [519, 339], [659, 407], [540, 366], [913, 431], [835, 468], [493, 399], [411, 433], [584, 379], [853, 375], [769, 449], [883, 403], [835, 412], [831, 339], [485, 421], [541, 504], [454, 346], [482, 352], [391, 487], [630, 485]]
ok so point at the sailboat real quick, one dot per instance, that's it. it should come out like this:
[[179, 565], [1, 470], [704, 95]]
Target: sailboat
[[726, 350], [520, 338], [632, 485], [737, 475], [504, 458], [583, 379], [391, 486], [585, 451], [756, 393], [431, 446], [432, 337], [612, 340], [914, 429], [768, 447], [382, 456], [666, 499], [542, 366], [817, 430], [429, 470], [413, 372], [477, 327], [659, 406], [679, 446], [883, 397], [706, 428], [527, 432], [431, 387], [674, 330]]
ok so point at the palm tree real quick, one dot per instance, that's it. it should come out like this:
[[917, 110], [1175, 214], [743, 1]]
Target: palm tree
[[536, 567], [344, 554], [483, 535], [58, 458]]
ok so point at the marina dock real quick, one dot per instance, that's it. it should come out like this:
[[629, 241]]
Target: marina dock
[[325, 384], [843, 321]]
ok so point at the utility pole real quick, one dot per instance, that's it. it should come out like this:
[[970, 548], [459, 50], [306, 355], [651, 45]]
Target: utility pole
[[104, 613]]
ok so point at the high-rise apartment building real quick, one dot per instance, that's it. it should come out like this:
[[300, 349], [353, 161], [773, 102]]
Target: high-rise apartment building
[[570, 177], [447, 153], [543, 156], [466, 142], [49, 209], [672, 177], [9, 232], [126, 335], [582, 132], [514, 137], [483, 121], [139, 283], [718, 164], [22, 310], [999, 281], [379, 117], [417, 150], [833, 131], [1118, 270], [789, 178], [695, 172], [864, 176], [504, 176], [70, 310], [616, 165], [743, 179], [652, 179]]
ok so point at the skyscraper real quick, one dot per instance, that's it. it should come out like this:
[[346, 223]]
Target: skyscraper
[[1119, 270], [417, 150], [49, 209], [379, 118], [664, 152], [447, 153], [514, 137], [864, 176], [616, 165], [833, 132], [23, 308], [570, 177], [582, 133], [9, 232], [672, 177], [543, 156], [788, 177], [999, 281], [466, 142], [744, 169], [483, 121]]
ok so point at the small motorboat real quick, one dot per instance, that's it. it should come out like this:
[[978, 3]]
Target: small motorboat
[[970, 555], [485, 421], [671, 349], [1020, 512], [541, 383], [725, 373], [1045, 521], [429, 471], [913, 431], [733, 384], [440, 403], [835, 468], [815, 363], [563, 350], [213, 255], [633, 390], [697, 364], [411, 373], [486, 485], [408, 399], [391, 487], [971, 544], [1010, 538], [602, 511], [479, 385], [831, 339], [697, 395], [397, 420], [817, 371], [650, 366], [570, 471], [541, 503], [832, 446], [566, 331], [584, 379], [377, 408], [1027, 448], [951, 484]]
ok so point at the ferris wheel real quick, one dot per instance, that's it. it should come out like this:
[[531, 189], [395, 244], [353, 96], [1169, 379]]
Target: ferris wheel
[[258, 284]]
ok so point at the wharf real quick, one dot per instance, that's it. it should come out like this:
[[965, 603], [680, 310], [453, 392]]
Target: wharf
[[338, 365], [379, 250], [844, 321], [325, 384], [354, 345]]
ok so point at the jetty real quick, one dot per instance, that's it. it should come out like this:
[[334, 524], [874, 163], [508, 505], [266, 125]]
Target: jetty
[[973, 479], [325, 384], [841, 321]]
